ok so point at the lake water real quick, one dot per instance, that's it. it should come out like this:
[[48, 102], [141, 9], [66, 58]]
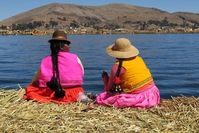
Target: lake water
[[172, 58]]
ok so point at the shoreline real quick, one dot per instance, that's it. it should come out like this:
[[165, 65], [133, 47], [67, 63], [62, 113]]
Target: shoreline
[[97, 32], [179, 114]]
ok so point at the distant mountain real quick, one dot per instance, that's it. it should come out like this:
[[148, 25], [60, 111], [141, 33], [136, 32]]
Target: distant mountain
[[107, 16]]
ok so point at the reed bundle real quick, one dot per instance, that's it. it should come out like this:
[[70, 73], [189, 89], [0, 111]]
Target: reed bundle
[[179, 114]]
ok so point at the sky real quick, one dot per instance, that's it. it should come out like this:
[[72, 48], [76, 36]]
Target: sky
[[9, 8]]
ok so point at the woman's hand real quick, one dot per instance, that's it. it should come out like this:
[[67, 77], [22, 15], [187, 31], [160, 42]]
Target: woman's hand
[[104, 74], [105, 77]]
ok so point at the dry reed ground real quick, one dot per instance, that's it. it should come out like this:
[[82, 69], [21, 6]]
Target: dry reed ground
[[179, 114]]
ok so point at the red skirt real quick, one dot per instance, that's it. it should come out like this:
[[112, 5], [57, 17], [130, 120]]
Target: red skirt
[[43, 95]]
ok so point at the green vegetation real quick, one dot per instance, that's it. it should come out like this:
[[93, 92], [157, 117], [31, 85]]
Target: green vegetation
[[96, 26]]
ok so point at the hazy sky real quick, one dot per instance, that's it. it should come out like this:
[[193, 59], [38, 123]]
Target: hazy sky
[[10, 8]]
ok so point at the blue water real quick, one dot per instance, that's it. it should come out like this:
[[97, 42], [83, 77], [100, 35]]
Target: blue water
[[172, 58]]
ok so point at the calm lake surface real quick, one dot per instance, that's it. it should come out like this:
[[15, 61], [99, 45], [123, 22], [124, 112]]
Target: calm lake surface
[[172, 58]]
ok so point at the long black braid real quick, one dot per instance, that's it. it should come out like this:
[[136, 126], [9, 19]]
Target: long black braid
[[54, 83]]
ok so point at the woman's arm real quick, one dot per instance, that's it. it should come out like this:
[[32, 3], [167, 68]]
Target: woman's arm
[[79, 61], [110, 83], [36, 75]]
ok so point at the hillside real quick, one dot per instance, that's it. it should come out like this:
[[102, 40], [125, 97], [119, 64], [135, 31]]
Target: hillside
[[105, 16]]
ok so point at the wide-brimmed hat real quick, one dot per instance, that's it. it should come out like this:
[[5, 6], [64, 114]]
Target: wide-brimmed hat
[[122, 49], [59, 35]]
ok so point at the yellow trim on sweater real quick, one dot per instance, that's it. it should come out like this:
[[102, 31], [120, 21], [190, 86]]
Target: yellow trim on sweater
[[142, 83]]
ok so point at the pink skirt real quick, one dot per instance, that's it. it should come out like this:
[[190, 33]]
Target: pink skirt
[[143, 99]]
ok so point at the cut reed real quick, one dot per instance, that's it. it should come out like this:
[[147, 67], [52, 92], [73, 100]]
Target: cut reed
[[179, 114]]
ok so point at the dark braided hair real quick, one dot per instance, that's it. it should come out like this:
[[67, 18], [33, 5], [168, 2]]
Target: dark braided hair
[[54, 83]]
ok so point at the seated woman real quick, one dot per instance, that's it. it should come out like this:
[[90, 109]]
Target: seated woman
[[59, 78], [130, 83]]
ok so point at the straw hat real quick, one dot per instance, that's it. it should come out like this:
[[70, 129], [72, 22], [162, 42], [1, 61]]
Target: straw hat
[[59, 35], [122, 49]]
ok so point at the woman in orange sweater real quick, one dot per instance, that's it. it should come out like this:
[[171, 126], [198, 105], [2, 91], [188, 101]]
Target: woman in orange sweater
[[130, 83]]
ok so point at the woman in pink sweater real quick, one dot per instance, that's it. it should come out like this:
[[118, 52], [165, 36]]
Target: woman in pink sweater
[[59, 78]]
